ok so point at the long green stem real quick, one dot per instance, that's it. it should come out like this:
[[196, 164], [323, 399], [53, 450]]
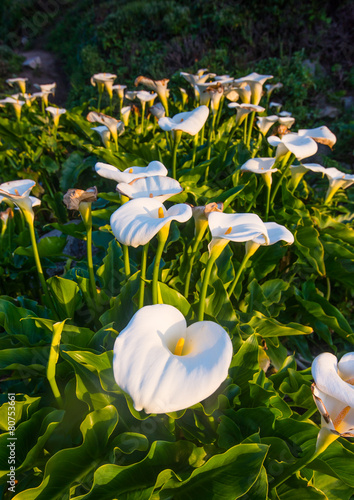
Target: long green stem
[[162, 238], [143, 275], [191, 262], [268, 202], [90, 261], [38, 263], [205, 284], [308, 414], [245, 122], [142, 118], [285, 170], [233, 130], [99, 100], [238, 274], [250, 127], [254, 199], [221, 103], [195, 145], [177, 138], [126, 261]]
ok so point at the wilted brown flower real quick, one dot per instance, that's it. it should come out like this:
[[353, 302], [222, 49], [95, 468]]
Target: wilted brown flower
[[74, 197]]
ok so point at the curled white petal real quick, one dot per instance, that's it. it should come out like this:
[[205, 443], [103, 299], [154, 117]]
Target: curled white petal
[[129, 174], [276, 232], [157, 187], [320, 134], [190, 122], [158, 380], [137, 221], [236, 227]]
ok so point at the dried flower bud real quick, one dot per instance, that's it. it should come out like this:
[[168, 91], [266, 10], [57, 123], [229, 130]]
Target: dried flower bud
[[74, 197]]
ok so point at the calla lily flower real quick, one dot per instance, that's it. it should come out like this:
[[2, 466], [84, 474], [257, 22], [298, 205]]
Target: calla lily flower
[[244, 92], [231, 94], [321, 135], [300, 146], [120, 90], [73, 197], [157, 110], [16, 103], [104, 133], [56, 113], [158, 187], [265, 122], [337, 180], [190, 122], [242, 110], [158, 86], [101, 78], [298, 171], [43, 96], [184, 96], [21, 82], [271, 87], [131, 94], [200, 77], [46, 87], [263, 166], [276, 105], [234, 227], [28, 98], [256, 82], [166, 366], [333, 393], [145, 96], [129, 174], [116, 127], [216, 92], [125, 114], [275, 232], [136, 222], [18, 193], [287, 121]]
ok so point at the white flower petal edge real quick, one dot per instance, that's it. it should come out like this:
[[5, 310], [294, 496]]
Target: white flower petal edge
[[334, 393], [157, 187], [137, 221], [321, 134], [190, 122], [159, 381], [276, 232], [259, 165], [129, 174], [244, 227]]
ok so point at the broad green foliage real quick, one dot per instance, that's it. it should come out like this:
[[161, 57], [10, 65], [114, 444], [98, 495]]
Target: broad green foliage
[[78, 434]]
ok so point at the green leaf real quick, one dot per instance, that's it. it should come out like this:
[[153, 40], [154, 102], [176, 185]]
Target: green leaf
[[309, 245], [71, 169], [269, 327], [112, 270], [71, 464], [244, 364], [222, 477], [66, 296], [49, 246], [174, 298]]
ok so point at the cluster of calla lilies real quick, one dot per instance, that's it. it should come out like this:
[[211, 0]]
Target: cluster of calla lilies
[[161, 363]]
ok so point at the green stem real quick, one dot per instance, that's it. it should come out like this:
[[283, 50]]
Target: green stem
[[328, 294], [205, 284], [162, 238], [308, 414], [285, 170], [142, 117], [143, 275], [178, 135], [238, 274], [90, 261], [38, 262], [126, 261], [195, 145], [99, 101], [245, 122], [250, 127], [233, 130], [221, 103], [254, 200], [191, 262], [268, 202]]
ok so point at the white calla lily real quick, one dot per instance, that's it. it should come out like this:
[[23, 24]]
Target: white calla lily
[[136, 222], [276, 232], [46, 87], [18, 193], [28, 98], [100, 79], [158, 187], [333, 392], [16, 103], [129, 174], [21, 82], [145, 96], [158, 86], [157, 110], [265, 122], [287, 121], [298, 171], [160, 376], [321, 135], [116, 127], [242, 110], [104, 133], [125, 114], [337, 180], [300, 146], [190, 122], [56, 113], [256, 82], [120, 90], [271, 87], [263, 166]]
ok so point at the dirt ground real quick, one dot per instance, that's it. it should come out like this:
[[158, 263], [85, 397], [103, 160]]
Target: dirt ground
[[49, 72]]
